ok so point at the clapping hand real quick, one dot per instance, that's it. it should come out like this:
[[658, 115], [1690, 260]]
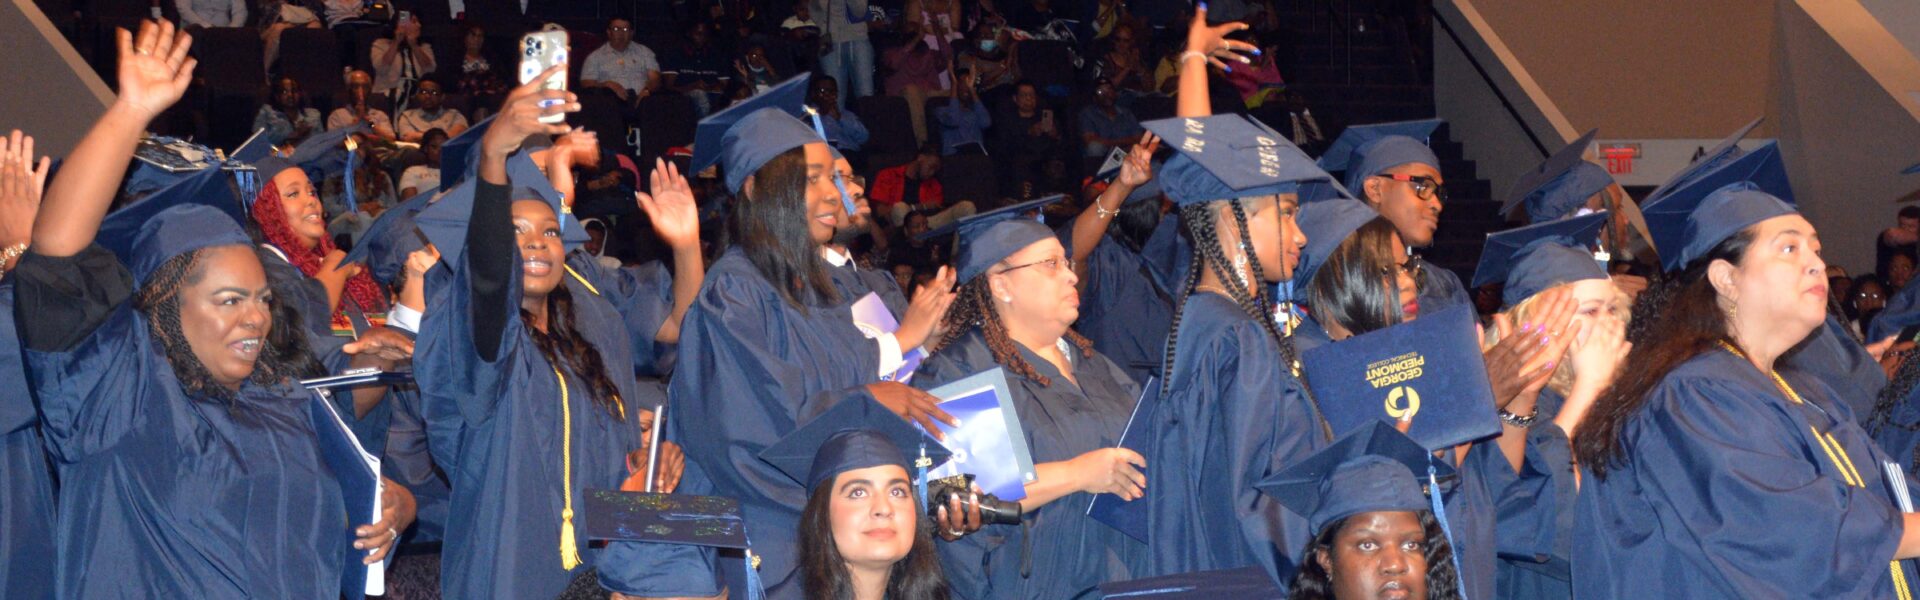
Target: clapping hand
[[23, 181]]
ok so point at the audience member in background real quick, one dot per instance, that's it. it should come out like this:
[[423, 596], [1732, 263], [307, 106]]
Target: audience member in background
[[276, 17], [698, 69], [903, 274], [1864, 303], [935, 21], [1839, 285], [1166, 75], [371, 185], [1025, 138], [212, 13], [1105, 125], [426, 176], [343, 16], [964, 118], [1121, 61], [1899, 271], [923, 256], [1032, 16], [755, 73], [479, 80], [626, 69], [1258, 81], [400, 61], [289, 118], [848, 55], [1902, 238], [915, 186], [990, 55], [843, 128], [348, 227], [357, 109], [803, 36], [428, 113], [919, 72]]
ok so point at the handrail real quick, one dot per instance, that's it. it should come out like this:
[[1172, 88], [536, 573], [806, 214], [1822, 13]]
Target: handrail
[[1441, 19]]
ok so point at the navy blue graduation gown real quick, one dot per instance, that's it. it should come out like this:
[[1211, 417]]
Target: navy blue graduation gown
[[1070, 553], [1729, 495], [751, 369], [1232, 416], [497, 429], [1125, 308], [26, 500], [854, 282], [1535, 510], [1832, 355], [643, 295], [168, 495], [1440, 288], [1167, 253]]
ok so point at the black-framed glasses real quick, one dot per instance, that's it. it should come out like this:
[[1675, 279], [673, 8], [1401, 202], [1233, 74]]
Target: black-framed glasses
[[1427, 188], [1053, 265]]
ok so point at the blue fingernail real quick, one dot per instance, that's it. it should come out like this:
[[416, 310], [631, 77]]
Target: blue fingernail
[[1203, 6], [1227, 67], [1256, 51]]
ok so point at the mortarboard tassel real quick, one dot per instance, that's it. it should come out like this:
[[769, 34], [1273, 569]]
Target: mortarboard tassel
[[347, 178], [1440, 514], [838, 184], [569, 549]]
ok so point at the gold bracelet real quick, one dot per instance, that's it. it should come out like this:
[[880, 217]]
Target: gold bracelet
[[11, 254]]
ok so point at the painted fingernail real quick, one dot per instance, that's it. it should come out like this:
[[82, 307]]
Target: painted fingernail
[[1203, 6], [1256, 51], [1229, 68]]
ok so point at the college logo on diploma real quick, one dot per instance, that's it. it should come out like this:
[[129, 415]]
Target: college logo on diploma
[[1427, 371]]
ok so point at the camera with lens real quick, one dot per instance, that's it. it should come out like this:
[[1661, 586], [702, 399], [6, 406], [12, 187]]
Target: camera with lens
[[993, 510]]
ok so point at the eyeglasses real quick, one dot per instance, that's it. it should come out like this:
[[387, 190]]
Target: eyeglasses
[[1053, 265], [428, 92], [1423, 186], [1412, 267], [620, 29]]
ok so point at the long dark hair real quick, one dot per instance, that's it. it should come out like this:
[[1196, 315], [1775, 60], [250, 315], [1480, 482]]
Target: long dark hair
[[562, 343], [770, 225], [284, 354], [1355, 287], [1687, 316], [973, 307], [1314, 582], [1135, 223], [824, 574]]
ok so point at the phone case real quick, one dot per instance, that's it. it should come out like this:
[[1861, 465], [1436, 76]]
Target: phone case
[[538, 52]]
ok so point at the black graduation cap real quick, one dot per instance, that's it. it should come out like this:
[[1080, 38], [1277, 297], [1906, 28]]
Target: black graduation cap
[[857, 433], [197, 212], [1223, 157], [1536, 257], [1372, 469], [989, 237], [1710, 206], [1366, 150], [1559, 186], [673, 535]]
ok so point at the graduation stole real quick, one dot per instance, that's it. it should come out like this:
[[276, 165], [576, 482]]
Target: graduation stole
[[1837, 454]]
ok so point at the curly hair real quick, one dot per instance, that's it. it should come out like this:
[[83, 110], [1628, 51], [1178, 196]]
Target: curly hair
[[1562, 379], [1314, 582], [563, 344], [284, 355], [973, 307], [823, 570]]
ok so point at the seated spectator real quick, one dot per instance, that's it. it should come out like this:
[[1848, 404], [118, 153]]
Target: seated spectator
[[627, 70], [915, 186], [425, 176], [400, 61], [344, 14], [479, 80], [698, 69], [990, 55], [919, 72], [964, 119], [1119, 59], [1259, 81], [937, 22], [356, 110], [1105, 125], [371, 185], [347, 228], [1166, 75], [1025, 139], [429, 112], [924, 257], [803, 35], [1031, 16], [1899, 271], [844, 129], [754, 72], [1107, 17], [289, 118], [212, 13], [1902, 238], [275, 18]]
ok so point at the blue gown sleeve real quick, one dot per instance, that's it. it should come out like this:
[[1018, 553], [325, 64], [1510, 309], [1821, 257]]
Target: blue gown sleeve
[[1735, 481], [304, 294], [468, 338], [643, 295], [84, 350]]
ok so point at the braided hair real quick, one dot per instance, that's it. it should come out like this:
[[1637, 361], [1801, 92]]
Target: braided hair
[[562, 343], [1252, 299], [269, 213], [285, 353], [973, 307]]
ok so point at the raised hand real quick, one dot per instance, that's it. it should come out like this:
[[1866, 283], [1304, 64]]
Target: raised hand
[[422, 260], [927, 311], [670, 205], [1138, 167], [154, 67], [1211, 40], [22, 183]]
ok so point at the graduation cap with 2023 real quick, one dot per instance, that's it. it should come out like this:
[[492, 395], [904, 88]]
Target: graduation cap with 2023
[[1428, 370], [1223, 157], [1533, 258], [1685, 224], [1558, 187], [990, 237]]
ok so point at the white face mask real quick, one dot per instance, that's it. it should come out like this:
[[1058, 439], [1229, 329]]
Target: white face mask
[[756, 68]]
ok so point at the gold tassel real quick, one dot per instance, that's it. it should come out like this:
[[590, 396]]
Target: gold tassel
[[569, 550]]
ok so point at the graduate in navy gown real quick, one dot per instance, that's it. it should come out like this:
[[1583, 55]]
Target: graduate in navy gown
[[1014, 311], [917, 320], [1710, 470], [769, 342], [186, 450], [27, 502], [1126, 300], [293, 228], [1546, 268], [1231, 412], [525, 372], [1389, 166]]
